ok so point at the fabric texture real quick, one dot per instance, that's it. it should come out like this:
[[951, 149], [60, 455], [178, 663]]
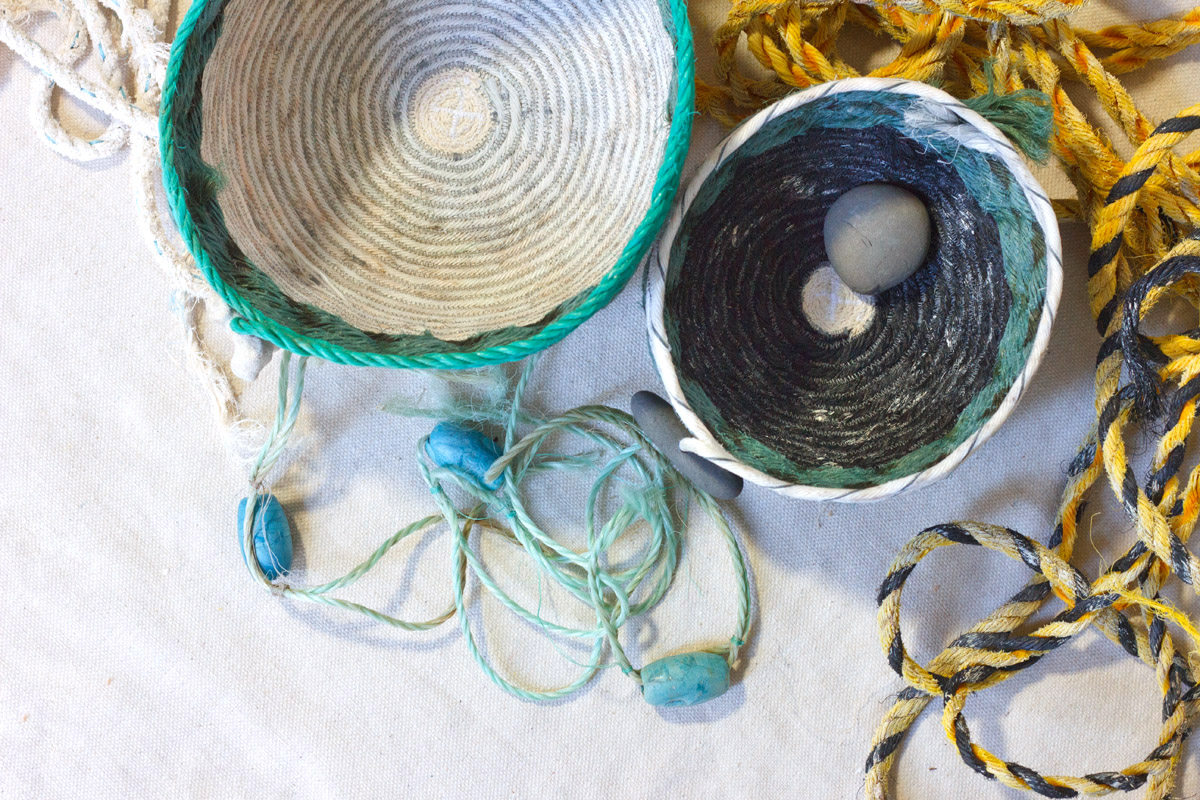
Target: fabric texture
[[137, 658]]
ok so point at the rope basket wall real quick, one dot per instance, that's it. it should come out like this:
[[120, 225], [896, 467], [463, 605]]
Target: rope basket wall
[[421, 183], [790, 380]]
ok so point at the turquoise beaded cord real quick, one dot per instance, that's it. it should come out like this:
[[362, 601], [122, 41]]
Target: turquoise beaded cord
[[651, 494], [272, 536], [264, 311]]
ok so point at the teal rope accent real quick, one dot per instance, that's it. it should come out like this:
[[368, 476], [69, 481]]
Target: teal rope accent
[[652, 496], [265, 312], [1025, 117]]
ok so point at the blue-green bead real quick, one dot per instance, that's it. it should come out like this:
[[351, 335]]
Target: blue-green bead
[[685, 680], [272, 536], [463, 449]]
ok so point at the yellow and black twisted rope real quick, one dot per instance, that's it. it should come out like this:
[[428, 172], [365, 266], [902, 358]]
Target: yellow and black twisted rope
[[1144, 216], [1163, 386], [982, 658]]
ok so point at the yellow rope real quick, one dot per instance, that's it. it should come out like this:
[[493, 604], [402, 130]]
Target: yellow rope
[[1144, 217]]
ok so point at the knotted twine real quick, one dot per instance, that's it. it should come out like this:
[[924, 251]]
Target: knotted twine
[[652, 507], [1145, 249], [111, 56]]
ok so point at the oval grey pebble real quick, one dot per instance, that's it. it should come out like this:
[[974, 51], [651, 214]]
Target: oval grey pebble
[[876, 236], [661, 425]]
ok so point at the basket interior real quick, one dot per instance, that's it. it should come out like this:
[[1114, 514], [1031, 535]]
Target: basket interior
[[415, 177], [917, 370]]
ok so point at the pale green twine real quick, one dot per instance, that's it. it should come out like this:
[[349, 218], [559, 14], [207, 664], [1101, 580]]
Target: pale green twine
[[653, 502]]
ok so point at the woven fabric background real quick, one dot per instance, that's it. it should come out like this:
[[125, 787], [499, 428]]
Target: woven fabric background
[[137, 659]]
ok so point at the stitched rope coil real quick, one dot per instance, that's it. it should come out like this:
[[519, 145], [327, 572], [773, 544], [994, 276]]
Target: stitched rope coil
[[424, 185], [772, 394]]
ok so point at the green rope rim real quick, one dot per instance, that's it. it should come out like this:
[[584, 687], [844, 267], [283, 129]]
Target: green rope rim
[[252, 321]]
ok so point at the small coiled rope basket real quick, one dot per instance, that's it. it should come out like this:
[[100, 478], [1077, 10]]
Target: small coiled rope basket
[[422, 183], [790, 380]]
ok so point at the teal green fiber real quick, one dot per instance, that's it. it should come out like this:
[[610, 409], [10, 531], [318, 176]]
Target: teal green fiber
[[1022, 243], [635, 499], [265, 311], [1025, 116], [685, 680]]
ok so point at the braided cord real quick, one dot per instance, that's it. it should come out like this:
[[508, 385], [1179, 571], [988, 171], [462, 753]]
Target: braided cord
[[652, 510]]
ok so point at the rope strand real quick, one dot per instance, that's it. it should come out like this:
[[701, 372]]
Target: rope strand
[[123, 84]]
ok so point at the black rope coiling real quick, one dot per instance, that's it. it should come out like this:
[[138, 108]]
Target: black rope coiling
[[800, 403]]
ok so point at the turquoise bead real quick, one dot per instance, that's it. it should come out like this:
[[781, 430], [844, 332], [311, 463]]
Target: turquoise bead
[[272, 536], [685, 680], [463, 449]]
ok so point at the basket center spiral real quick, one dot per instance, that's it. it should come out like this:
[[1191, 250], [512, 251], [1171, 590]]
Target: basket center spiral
[[451, 111], [421, 168], [832, 307]]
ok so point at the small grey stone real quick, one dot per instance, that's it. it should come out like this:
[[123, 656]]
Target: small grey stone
[[876, 235], [658, 421]]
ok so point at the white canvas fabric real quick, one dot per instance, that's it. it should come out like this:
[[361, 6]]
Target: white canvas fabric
[[138, 659]]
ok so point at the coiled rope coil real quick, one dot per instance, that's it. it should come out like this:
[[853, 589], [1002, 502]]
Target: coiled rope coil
[[778, 397], [424, 185]]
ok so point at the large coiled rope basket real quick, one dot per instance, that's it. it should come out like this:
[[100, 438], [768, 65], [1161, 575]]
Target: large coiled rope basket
[[419, 183], [786, 377]]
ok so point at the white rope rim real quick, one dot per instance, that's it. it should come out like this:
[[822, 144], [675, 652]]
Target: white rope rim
[[992, 142]]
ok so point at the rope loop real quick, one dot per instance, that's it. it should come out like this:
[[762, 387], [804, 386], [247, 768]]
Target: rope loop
[[986, 656]]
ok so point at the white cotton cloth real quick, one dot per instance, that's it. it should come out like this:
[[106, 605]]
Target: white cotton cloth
[[139, 660]]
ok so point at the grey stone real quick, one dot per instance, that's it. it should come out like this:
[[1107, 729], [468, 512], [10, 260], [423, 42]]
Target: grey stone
[[658, 421], [876, 236]]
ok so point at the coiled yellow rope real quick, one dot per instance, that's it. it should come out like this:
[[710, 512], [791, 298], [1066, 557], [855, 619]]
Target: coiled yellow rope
[[1143, 217]]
